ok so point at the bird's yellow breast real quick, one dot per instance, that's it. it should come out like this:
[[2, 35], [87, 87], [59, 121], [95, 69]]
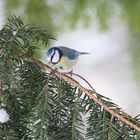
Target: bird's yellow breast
[[66, 63]]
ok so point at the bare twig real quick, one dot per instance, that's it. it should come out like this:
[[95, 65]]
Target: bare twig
[[75, 74], [70, 80]]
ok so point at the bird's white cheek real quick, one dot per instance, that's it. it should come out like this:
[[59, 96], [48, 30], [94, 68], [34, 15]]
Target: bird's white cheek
[[56, 57]]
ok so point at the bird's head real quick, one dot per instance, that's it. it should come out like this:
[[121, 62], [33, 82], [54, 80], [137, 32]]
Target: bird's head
[[54, 55]]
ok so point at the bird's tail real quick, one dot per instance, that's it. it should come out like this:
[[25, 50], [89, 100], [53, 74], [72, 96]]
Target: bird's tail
[[82, 53]]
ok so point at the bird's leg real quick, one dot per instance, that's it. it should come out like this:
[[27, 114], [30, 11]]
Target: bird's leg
[[70, 72], [53, 71]]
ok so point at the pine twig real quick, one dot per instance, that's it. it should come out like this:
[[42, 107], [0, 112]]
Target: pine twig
[[123, 118], [1, 90], [110, 126], [5, 132], [1, 84]]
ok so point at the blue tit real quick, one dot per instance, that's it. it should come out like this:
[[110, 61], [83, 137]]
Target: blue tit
[[63, 57]]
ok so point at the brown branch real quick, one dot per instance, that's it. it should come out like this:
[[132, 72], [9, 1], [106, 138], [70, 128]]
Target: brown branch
[[110, 126], [123, 118]]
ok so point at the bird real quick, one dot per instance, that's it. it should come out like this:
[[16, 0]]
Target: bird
[[63, 57]]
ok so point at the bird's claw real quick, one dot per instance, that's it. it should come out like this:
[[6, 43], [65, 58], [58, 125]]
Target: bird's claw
[[53, 71], [70, 73]]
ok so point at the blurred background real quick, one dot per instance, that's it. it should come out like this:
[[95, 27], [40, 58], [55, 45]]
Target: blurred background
[[109, 29]]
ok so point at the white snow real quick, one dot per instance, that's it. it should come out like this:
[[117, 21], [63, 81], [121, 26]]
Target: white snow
[[4, 116]]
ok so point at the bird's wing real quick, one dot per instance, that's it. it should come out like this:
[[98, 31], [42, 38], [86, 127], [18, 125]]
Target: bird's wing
[[69, 53]]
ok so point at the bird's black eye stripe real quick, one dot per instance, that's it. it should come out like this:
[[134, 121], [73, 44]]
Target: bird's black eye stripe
[[52, 55]]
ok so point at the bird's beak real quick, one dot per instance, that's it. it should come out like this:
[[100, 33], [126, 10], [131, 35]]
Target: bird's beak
[[49, 62]]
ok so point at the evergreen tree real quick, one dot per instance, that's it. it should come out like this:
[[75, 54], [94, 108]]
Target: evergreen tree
[[38, 105]]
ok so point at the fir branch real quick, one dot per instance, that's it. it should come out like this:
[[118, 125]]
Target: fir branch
[[1, 86], [110, 127], [76, 118], [47, 105], [91, 94], [5, 133]]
